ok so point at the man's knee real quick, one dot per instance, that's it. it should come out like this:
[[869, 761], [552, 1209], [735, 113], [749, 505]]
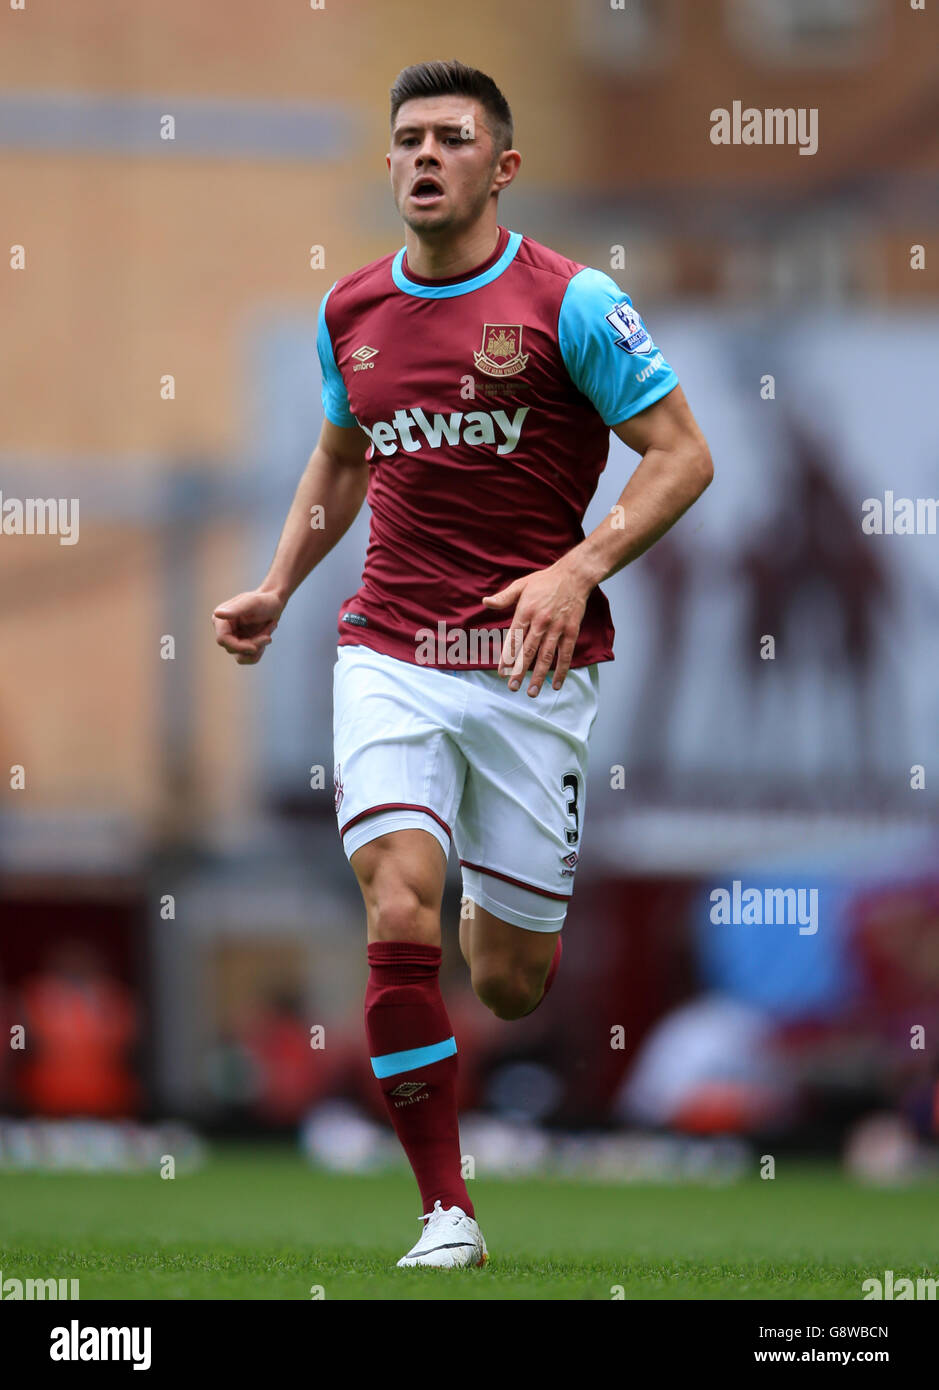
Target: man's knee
[[399, 913], [508, 992], [402, 883]]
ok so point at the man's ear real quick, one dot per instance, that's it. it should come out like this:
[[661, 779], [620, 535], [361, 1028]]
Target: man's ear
[[507, 174]]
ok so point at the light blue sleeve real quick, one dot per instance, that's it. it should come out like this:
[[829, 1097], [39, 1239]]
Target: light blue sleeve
[[335, 396], [608, 353]]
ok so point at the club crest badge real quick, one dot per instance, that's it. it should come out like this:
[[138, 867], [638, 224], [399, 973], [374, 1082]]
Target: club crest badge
[[501, 350], [633, 336], [337, 787]]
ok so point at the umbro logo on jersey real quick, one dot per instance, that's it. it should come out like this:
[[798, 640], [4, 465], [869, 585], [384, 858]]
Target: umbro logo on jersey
[[362, 357], [475, 428]]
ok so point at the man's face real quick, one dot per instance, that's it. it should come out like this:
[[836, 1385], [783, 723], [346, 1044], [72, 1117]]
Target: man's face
[[441, 141]]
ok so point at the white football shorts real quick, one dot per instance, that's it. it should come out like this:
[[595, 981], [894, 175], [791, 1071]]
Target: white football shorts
[[458, 754]]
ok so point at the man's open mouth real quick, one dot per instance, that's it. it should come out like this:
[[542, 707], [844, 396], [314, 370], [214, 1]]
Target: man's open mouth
[[426, 190]]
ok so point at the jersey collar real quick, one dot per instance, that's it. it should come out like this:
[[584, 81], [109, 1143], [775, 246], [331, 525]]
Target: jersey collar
[[463, 286]]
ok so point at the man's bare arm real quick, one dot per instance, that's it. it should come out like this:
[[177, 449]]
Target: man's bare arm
[[674, 470], [336, 480]]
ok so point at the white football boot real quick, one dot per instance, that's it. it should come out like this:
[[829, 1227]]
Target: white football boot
[[450, 1239]]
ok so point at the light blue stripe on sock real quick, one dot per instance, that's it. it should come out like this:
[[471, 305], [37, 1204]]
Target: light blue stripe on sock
[[393, 1062]]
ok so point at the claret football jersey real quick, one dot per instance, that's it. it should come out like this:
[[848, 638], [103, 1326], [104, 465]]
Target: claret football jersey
[[488, 400]]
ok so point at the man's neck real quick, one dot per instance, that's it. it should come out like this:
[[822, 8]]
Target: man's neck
[[438, 259]]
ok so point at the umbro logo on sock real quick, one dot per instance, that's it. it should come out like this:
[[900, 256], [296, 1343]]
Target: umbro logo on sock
[[409, 1088], [409, 1091]]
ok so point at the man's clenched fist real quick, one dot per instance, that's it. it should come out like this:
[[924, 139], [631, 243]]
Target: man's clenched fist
[[245, 624]]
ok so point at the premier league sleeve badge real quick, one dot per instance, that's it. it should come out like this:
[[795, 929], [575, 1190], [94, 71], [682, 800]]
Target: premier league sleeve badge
[[632, 331]]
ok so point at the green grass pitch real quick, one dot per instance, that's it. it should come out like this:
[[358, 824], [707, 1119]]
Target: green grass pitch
[[260, 1224]]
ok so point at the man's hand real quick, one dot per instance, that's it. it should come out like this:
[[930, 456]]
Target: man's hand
[[245, 624], [549, 609]]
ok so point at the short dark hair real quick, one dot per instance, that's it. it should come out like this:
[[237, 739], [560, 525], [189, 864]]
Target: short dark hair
[[456, 79]]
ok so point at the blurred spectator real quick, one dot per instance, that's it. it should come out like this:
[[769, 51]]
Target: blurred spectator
[[707, 1067], [6, 1023], [80, 1025], [289, 1074]]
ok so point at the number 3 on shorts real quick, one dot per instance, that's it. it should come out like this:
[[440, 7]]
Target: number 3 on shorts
[[571, 787]]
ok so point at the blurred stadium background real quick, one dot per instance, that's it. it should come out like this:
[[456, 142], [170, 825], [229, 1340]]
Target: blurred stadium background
[[177, 912]]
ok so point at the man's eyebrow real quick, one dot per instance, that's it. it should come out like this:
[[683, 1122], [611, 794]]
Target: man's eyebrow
[[435, 125]]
